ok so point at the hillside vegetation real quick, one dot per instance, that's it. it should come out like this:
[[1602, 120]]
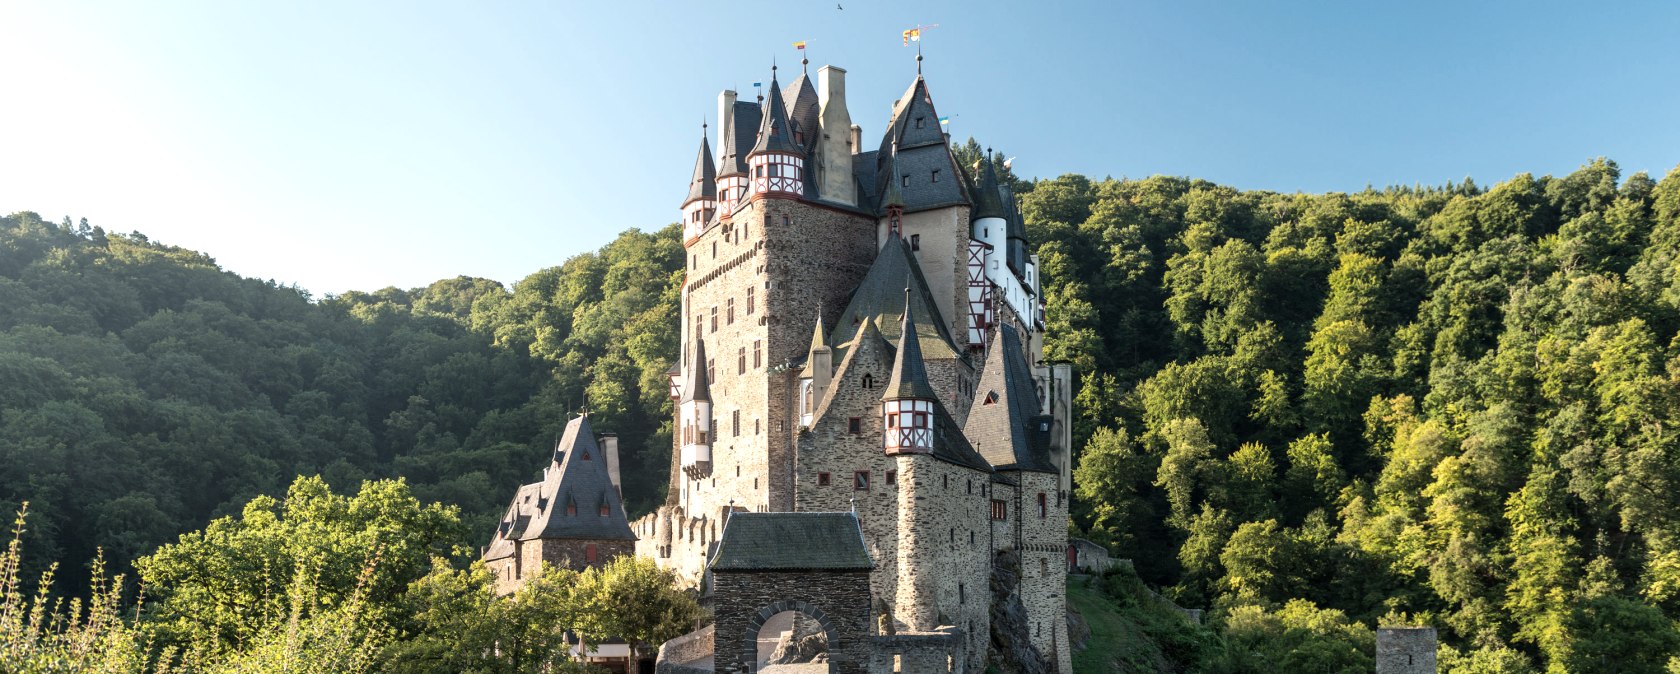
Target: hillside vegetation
[[1307, 413]]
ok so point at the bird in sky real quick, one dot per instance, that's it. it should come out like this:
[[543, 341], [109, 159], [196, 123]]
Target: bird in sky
[[837, 6]]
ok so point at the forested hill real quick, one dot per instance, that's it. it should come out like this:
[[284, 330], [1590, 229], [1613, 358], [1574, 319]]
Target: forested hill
[[143, 390], [1449, 405]]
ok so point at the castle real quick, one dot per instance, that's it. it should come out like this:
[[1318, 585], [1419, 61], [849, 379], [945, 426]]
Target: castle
[[865, 434]]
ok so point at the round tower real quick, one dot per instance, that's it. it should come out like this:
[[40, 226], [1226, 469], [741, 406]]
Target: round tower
[[776, 165], [907, 410], [695, 416], [701, 203]]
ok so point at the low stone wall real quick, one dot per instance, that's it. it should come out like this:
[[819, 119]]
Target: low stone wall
[[1091, 558], [676, 655], [927, 652]]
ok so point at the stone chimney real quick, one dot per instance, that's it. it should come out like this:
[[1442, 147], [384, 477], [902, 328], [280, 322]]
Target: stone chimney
[[857, 139], [834, 152], [609, 446], [725, 125]]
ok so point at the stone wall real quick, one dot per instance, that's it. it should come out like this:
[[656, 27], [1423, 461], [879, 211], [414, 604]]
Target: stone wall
[[1043, 549], [838, 601], [1405, 650], [694, 647], [942, 252], [950, 555]]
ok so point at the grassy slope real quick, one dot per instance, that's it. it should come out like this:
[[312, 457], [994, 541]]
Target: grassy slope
[[1133, 633]]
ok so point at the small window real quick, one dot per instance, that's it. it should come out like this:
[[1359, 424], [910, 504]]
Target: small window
[[735, 427], [991, 398], [758, 354], [714, 250], [869, 381], [971, 485], [711, 369], [785, 221], [971, 538], [822, 479], [854, 425], [860, 480], [962, 592], [741, 360], [586, 455], [892, 477], [590, 554], [714, 319], [729, 311], [1043, 507], [946, 480], [571, 508], [915, 242], [605, 510], [936, 175], [1000, 510], [921, 122], [755, 427], [749, 300]]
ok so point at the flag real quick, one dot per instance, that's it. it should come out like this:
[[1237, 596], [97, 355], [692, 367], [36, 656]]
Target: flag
[[912, 35], [758, 84], [1007, 163], [944, 120], [799, 45]]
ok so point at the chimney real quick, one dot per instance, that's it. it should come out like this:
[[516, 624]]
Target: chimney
[[725, 124], [609, 445], [834, 154], [857, 139]]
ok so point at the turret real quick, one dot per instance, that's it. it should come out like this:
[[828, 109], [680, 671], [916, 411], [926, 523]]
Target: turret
[[702, 194], [776, 164], [819, 367], [907, 404], [695, 416]]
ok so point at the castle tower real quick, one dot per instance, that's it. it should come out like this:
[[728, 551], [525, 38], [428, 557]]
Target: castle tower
[[694, 412], [813, 382], [907, 433], [701, 203], [835, 147], [776, 164]]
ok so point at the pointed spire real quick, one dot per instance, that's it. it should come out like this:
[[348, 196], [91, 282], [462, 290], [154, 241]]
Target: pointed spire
[[773, 133], [817, 339], [893, 197], [699, 387], [909, 373], [988, 203], [704, 183]]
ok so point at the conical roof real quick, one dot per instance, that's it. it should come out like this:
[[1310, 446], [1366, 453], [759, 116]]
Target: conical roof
[[773, 132], [988, 203], [892, 197], [817, 339], [704, 183], [909, 373], [736, 137], [699, 388]]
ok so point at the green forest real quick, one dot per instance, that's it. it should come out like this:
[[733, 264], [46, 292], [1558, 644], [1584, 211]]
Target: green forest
[[1307, 413]]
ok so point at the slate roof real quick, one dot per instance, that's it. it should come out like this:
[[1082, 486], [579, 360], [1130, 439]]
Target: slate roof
[[738, 135], [703, 185], [880, 296], [920, 150], [773, 132], [792, 541], [909, 374], [803, 111], [1006, 431], [578, 476], [699, 384], [514, 521], [988, 198]]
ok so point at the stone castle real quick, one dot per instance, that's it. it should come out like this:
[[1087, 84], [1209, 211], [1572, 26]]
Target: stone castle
[[866, 437]]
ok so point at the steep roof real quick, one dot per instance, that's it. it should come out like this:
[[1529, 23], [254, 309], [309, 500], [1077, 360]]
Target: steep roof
[[699, 384], [704, 183], [921, 150], [737, 137], [1003, 422], [525, 506], [817, 339], [880, 296], [578, 477], [803, 111], [773, 132], [988, 199], [792, 541], [909, 374]]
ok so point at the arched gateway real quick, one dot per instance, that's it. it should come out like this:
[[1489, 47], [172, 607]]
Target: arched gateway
[[822, 579]]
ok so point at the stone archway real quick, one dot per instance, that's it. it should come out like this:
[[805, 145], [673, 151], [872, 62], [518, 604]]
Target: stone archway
[[791, 612]]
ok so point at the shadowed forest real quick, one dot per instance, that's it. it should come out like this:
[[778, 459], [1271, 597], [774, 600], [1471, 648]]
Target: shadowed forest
[[1452, 405]]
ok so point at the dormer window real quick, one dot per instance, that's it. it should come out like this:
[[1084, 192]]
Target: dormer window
[[991, 398], [906, 178], [571, 508], [936, 175], [921, 122], [605, 510]]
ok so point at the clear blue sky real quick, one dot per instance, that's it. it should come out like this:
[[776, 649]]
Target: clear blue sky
[[355, 145]]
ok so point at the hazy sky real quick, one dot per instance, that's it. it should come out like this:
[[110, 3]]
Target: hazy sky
[[363, 144]]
